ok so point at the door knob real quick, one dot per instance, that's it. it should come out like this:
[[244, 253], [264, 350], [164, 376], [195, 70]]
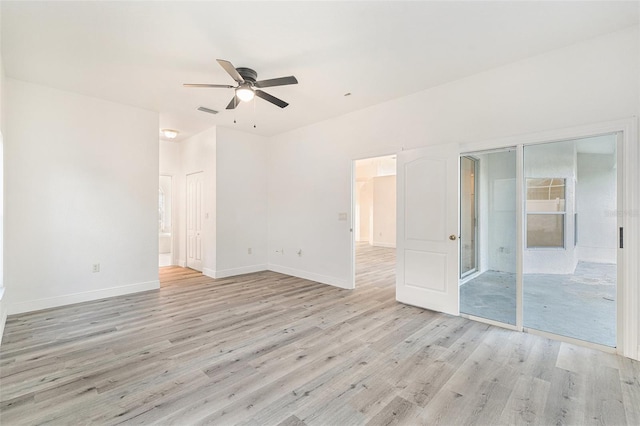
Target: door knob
[[452, 237]]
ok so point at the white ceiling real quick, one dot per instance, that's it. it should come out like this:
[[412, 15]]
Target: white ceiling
[[140, 53]]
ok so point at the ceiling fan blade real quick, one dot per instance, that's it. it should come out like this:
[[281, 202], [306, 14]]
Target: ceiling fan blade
[[234, 103], [221, 86], [282, 81], [269, 98], [231, 70]]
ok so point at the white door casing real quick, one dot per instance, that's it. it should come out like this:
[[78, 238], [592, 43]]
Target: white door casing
[[427, 228], [195, 213]]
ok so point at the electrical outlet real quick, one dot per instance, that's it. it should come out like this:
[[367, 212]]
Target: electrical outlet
[[96, 267]]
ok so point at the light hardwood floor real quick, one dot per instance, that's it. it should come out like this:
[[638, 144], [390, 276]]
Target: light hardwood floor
[[268, 349]]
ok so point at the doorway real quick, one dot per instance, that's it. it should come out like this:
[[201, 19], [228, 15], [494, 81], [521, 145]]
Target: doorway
[[570, 238], [374, 201], [488, 201], [567, 282]]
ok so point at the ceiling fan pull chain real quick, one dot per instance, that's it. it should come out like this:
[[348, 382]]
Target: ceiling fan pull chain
[[254, 112]]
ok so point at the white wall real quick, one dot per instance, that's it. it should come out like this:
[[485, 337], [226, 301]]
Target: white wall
[[384, 211], [235, 198], [3, 305], [309, 187], [497, 211], [83, 176], [169, 157], [309, 168], [596, 206], [198, 154], [241, 221]]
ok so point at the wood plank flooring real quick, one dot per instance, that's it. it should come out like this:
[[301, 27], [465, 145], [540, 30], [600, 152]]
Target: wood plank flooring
[[269, 349]]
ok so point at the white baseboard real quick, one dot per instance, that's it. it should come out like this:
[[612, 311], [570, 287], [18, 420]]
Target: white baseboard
[[68, 299], [324, 279], [3, 312], [224, 273], [182, 263], [3, 321], [387, 245]]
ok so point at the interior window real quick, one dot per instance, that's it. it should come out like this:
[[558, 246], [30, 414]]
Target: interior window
[[545, 212]]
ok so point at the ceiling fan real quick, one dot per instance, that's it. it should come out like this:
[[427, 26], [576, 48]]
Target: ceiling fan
[[248, 86]]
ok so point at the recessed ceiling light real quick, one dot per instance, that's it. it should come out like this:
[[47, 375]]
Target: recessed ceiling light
[[169, 133]]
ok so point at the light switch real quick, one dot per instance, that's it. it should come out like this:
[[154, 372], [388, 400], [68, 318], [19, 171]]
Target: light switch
[[342, 216]]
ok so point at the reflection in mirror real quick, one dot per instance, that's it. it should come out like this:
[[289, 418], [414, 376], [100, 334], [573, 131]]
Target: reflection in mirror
[[164, 222]]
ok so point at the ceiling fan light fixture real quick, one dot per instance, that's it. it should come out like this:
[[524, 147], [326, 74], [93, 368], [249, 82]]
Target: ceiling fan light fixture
[[245, 93], [169, 133]]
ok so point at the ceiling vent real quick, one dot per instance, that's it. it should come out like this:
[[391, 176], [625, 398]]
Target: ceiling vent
[[205, 109]]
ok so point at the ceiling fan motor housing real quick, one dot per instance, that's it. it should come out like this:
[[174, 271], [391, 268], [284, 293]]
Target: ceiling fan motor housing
[[248, 74]]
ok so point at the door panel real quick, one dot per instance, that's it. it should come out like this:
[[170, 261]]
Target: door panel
[[570, 256], [427, 270], [425, 221], [195, 209]]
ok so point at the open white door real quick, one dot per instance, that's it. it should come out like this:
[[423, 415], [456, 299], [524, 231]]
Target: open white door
[[427, 228]]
